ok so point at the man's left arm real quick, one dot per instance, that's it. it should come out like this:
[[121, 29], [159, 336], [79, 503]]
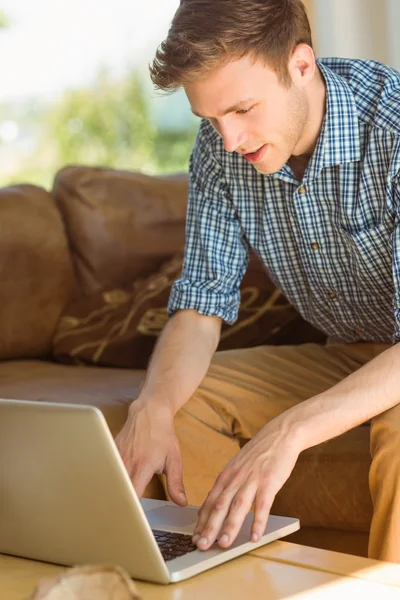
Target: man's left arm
[[257, 473], [259, 470]]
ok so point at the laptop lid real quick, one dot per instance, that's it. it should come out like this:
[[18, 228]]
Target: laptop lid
[[65, 495]]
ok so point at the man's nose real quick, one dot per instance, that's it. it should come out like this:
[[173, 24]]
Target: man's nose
[[233, 137]]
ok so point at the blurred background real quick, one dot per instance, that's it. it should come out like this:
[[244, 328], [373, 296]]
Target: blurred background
[[75, 86]]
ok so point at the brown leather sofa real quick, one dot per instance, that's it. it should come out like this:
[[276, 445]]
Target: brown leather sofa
[[97, 228]]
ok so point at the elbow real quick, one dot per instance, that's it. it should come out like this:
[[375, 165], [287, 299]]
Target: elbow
[[201, 325]]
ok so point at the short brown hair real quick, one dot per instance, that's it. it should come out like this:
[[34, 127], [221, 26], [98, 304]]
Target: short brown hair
[[207, 33]]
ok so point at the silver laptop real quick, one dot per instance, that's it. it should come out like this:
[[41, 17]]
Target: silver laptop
[[66, 498]]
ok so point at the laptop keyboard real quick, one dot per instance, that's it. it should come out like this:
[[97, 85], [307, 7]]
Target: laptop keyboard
[[173, 545]]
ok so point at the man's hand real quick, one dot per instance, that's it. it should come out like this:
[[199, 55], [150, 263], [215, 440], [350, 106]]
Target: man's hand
[[148, 445], [254, 476]]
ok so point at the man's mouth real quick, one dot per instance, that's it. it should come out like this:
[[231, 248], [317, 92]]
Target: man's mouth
[[257, 155]]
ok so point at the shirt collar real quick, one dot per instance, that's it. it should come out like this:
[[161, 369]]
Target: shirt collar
[[339, 140]]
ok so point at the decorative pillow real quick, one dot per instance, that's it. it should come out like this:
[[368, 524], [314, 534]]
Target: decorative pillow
[[119, 327]]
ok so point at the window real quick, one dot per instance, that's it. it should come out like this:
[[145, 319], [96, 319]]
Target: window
[[75, 89]]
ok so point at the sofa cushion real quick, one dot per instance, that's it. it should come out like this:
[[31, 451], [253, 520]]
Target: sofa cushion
[[120, 327], [111, 390], [121, 225], [36, 274]]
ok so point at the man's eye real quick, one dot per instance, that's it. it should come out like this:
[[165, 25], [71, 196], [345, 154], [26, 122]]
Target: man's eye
[[243, 111]]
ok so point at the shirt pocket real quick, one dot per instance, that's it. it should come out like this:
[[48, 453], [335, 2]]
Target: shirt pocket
[[369, 254]]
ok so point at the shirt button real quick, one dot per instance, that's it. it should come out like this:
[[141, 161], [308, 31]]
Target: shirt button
[[332, 295], [302, 190], [315, 246]]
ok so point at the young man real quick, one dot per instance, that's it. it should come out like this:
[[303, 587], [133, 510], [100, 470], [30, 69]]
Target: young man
[[298, 159]]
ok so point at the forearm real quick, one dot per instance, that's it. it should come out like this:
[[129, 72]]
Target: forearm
[[181, 359], [369, 391]]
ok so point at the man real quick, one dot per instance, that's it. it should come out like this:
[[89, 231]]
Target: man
[[298, 159]]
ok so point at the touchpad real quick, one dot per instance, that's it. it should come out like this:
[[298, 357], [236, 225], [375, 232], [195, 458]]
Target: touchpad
[[171, 516]]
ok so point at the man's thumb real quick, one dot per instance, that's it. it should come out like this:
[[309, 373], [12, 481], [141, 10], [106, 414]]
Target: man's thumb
[[173, 472]]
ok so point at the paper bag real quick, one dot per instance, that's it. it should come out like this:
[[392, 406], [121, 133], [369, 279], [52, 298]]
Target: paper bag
[[88, 583]]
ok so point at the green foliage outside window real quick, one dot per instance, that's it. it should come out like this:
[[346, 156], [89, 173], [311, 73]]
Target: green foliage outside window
[[3, 20], [106, 123]]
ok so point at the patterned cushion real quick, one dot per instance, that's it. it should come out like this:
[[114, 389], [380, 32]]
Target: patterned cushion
[[118, 327]]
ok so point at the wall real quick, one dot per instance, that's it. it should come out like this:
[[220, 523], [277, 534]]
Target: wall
[[357, 29]]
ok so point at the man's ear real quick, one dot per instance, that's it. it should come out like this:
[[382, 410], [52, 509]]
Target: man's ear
[[302, 65]]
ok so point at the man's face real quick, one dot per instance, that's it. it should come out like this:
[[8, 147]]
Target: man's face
[[253, 112]]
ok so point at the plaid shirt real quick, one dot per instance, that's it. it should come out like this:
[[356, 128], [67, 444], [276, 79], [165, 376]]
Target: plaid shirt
[[330, 243]]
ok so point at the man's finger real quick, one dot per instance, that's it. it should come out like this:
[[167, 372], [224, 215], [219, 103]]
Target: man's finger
[[173, 472], [205, 510], [262, 508], [210, 522], [240, 507]]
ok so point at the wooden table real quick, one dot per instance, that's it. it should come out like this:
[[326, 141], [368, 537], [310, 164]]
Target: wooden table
[[275, 572]]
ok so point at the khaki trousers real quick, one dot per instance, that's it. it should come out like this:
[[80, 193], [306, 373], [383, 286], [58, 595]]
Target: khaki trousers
[[244, 389]]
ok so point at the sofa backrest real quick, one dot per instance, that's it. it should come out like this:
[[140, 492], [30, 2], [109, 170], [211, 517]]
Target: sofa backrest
[[36, 274], [121, 225]]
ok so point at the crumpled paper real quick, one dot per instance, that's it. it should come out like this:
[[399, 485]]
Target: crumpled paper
[[88, 583]]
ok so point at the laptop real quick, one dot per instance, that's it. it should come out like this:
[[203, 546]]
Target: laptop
[[66, 498]]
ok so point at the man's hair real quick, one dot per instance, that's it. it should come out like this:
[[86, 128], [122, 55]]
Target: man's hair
[[206, 34]]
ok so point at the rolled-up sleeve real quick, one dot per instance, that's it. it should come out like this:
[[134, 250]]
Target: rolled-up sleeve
[[216, 252]]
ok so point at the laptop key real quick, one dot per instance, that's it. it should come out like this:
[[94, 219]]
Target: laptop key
[[156, 532], [173, 545]]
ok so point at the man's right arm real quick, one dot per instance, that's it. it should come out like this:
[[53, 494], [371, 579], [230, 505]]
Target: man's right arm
[[181, 359], [147, 442], [208, 291]]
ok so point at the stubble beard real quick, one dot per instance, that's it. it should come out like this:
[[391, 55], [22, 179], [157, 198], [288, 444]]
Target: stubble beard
[[298, 116]]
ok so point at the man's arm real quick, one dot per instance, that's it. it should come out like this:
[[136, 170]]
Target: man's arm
[[180, 360], [261, 468], [369, 391], [147, 442], [216, 256]]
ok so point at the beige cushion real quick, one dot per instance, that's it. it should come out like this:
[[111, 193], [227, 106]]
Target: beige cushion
[[120, 224], [36, 275]]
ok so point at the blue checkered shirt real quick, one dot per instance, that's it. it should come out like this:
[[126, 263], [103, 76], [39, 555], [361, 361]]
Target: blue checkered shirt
[[330, 243]]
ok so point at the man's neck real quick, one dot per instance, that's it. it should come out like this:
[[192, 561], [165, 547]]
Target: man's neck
[[317, 109], [298, 164]]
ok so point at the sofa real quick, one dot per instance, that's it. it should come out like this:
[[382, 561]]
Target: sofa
[[102, 229]]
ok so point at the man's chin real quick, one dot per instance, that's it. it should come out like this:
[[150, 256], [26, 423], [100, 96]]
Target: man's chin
[[272, 163], [267, 169]]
